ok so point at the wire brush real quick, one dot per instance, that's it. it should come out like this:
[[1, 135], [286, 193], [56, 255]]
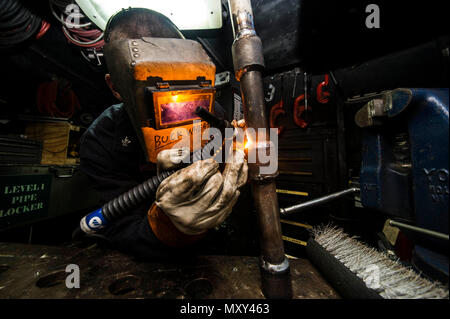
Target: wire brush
[[384, 276]]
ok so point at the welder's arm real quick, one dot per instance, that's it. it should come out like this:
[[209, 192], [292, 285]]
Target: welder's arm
[[195, 199], [131, 233], [112, 173]]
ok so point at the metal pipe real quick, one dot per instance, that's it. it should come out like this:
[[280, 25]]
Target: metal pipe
[[248, 63], [419, 230], [317, 201]]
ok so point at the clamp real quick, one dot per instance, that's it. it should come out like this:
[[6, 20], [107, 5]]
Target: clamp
[[275, 111], [323, 97], [302, 116]]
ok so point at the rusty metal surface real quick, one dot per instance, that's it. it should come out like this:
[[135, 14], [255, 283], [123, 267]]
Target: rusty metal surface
[[30, 271], [248, 62]]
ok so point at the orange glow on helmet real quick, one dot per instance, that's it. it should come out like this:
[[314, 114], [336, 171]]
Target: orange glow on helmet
[[162, 81]]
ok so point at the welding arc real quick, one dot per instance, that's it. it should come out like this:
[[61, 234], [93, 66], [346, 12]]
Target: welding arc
[[17, 24]]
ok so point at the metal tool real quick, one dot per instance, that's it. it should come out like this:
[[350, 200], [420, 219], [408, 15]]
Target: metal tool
[[277, 110], [305, 75], [405, 168], [297, 72], [212, 119], [214, 144], [323, 96], [302, 113], [419, 230], [318, 201]]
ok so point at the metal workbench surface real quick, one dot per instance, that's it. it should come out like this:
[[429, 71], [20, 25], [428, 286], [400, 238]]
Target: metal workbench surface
[[33, 271]]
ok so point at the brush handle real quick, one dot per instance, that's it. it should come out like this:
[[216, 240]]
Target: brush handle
[[341, 278]]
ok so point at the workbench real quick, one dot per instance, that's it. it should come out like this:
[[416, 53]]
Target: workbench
[[34, 271]]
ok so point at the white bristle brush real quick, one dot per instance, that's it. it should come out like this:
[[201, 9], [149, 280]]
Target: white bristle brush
[[389, 278]]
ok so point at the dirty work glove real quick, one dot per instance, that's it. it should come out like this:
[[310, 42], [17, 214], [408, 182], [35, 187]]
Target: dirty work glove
[[199, 197], [171, 159]]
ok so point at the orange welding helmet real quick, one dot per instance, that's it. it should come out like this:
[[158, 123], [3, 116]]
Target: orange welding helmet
[[162, 81]]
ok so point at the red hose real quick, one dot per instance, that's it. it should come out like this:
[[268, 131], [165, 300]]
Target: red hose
[[49, 102], [44, 28], [85, 35]]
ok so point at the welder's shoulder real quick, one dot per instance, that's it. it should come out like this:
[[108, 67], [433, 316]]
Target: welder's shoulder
[[101, 134], [105, 122]]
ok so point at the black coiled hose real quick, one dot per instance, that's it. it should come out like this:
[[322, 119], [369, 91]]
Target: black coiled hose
[[17, 23], [119, 206], [122, 204]]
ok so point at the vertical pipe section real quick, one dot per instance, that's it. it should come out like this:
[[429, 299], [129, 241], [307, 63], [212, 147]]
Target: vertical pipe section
[[248, 64]]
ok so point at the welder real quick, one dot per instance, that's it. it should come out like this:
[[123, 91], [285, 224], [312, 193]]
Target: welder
[[130, 141]]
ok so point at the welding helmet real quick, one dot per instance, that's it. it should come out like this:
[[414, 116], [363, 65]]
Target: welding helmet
[[162, 81]]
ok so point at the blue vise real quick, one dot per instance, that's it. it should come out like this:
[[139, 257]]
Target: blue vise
[[405, 167]]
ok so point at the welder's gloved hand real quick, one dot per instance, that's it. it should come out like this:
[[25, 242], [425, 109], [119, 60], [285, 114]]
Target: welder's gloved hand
[[200, 197], [171, 158]]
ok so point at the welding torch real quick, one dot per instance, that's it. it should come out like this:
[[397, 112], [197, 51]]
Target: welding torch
[[216, 122], [121, 205]]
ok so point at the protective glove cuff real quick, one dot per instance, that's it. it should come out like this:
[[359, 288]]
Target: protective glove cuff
[[165, 230]]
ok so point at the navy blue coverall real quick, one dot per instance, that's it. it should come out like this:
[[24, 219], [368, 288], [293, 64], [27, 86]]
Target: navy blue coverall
[[111, 156]]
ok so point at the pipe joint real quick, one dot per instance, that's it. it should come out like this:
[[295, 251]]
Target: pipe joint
[[264, 158], [274, 268], [243, 20], [247, 55]]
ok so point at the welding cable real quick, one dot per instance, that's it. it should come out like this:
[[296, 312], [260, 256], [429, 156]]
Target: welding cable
[[15, 20], [62, 3], [14, 16], [121, 205], [81, 38], [60, 19], [84, 35], [8, 9], [17, 23], [18, 36], [44, 28]]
